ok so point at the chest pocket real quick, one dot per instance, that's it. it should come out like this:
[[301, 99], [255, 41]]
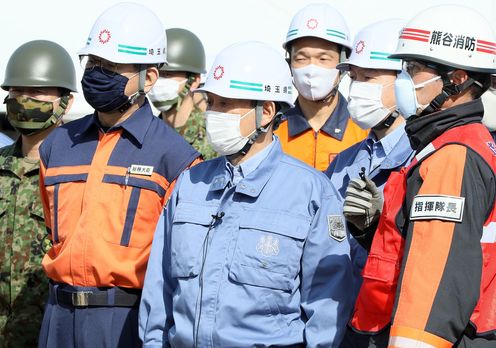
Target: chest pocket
[[191, 223], [61, 189], [139, 207], [269, 249], [36, 209]]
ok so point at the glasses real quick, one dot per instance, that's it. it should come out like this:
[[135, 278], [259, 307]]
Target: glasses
[[108, 68], [413, 68]]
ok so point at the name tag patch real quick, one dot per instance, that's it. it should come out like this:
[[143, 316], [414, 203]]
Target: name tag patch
[[440, 207], [141, 170], [336, 227]]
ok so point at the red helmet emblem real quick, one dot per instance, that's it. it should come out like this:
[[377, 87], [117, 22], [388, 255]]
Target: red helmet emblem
[[104, 36], [312, 23], [218, 72], [359, 46]]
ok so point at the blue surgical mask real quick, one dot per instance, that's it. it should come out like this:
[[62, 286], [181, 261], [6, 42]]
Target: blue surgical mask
[[104, 89], [406, 97]]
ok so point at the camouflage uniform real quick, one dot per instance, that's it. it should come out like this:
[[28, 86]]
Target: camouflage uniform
[[194, 132], [23, 285]]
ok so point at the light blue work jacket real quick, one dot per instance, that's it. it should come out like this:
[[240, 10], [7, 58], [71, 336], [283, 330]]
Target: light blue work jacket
[[264, 262], [379, 158]]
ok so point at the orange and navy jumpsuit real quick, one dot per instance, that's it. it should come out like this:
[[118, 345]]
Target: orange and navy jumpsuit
[[430, 277], [103, 193], [318, 149]]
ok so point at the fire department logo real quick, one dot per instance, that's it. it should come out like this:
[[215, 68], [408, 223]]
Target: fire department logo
[[218, 72], [104, 36], [312, 23], [268, 246], [360, 46]]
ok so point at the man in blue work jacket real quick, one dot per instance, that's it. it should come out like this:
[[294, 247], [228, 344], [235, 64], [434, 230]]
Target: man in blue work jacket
[[253, 250], [372, 105]]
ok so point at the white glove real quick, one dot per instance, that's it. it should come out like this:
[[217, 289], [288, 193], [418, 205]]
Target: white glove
[[363, 203]]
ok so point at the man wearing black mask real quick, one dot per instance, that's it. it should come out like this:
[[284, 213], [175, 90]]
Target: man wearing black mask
[[104, 180]]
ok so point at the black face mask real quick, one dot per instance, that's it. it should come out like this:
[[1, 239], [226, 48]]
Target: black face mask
[[104, 89]]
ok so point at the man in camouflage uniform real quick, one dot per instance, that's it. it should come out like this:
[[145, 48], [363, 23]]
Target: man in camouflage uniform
[[172, 95], [39, 78]]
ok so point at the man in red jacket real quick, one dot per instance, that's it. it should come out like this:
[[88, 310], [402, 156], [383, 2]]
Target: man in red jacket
[[430, 277]]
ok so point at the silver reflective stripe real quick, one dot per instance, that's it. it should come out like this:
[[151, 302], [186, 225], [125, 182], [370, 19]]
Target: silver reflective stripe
[[489, 233], [425, 151], [403, 342]]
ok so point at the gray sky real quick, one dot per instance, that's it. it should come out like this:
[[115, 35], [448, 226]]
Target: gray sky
[[217, 23]]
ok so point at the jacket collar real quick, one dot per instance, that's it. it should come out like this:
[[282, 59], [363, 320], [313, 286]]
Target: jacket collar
[[12, 160], [136, 125], [335, 126], [254, 182], [424, 129]]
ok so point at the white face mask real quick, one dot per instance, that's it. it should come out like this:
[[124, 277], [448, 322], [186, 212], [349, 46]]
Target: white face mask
[[406, 95], [314, 82], [365, 104], [224, 132], [165, 93], [489, 101]]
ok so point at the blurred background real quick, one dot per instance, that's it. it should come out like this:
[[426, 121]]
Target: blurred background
[[217, 23]]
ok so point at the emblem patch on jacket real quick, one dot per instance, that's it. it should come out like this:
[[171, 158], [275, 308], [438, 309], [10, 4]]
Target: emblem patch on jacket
[[336, 227], [437, 207], [268, 246]]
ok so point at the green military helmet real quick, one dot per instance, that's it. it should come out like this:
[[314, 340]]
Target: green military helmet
[[40, 63], [185, 52]]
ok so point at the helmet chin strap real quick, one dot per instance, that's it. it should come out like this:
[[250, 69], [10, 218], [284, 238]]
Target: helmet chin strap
[[333, 91], [388, 121], [449, 90], [259, 129], [342, 57], [133, 99]]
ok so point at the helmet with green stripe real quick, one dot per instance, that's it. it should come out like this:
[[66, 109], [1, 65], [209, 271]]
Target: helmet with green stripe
[[374, 44], [253, 71], [319, 20], [127, 33]]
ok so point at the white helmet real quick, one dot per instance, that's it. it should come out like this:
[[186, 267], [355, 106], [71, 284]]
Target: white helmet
[[127, 33], [451, 35], [250, 70], [489, 101], [322, 21], [374, 44]]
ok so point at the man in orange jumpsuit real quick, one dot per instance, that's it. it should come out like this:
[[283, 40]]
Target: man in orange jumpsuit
[[319, 125]]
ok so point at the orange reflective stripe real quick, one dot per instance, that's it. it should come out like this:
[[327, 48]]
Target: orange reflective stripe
[[113, 170], [405, 337], [67, 170], [431, 240]]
